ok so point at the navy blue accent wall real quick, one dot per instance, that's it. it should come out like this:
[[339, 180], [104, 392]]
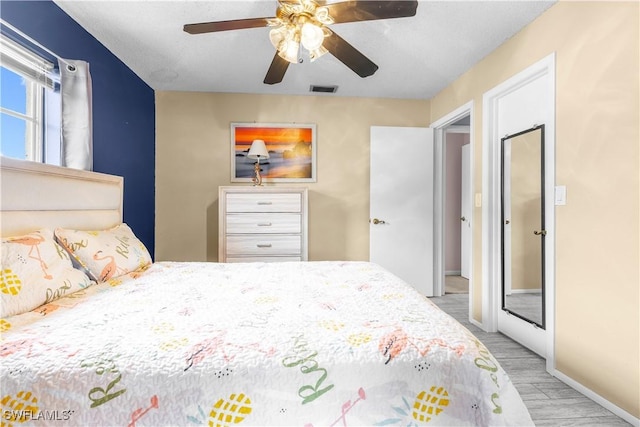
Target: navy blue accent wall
[[123, 107]]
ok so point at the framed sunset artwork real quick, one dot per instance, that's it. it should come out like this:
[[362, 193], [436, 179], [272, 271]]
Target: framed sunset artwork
[[291, 147]]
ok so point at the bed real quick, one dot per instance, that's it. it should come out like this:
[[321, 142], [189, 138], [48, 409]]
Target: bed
[[174, 343]]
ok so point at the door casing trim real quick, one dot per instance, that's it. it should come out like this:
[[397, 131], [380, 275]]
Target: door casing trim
[[439, 127]]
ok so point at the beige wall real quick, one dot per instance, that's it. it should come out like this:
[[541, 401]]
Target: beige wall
[[597, 158], [193, 159]]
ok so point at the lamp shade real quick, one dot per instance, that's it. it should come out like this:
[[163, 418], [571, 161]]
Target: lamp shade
[[289, 50], [312, 36], [258, 150]]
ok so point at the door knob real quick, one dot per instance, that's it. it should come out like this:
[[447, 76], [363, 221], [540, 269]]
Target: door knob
[[463, 218], [507, 222], [377, 221], [540, 233]]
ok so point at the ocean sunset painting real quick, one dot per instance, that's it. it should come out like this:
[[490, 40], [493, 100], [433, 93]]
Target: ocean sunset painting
[[291, 150]]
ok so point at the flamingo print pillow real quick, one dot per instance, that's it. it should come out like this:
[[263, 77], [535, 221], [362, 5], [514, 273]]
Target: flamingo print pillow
[[106, 254], [35, 270]]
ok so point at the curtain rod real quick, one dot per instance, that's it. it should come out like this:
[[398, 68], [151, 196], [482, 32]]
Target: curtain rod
[[32, 41]]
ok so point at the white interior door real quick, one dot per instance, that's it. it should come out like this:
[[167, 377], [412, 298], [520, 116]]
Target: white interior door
[[465, 213], [519, 104], [401, 203]]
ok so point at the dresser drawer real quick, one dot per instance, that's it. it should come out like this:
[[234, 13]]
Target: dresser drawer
[[264, 223], [264, 202], [265, 259], [263, 245]]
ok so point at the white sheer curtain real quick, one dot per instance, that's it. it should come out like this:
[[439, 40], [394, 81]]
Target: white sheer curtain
[[77, 115]]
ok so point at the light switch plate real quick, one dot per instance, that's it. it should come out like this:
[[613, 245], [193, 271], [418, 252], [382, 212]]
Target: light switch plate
[[478, 200], [561, 195]]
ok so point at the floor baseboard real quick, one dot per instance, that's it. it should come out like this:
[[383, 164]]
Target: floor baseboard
[[597, 398], [552, 398]]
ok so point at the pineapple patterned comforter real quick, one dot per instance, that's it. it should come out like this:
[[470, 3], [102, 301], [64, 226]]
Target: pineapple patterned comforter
[[286, 344]]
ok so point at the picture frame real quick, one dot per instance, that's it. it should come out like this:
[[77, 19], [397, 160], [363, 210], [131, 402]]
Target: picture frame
[[292, 151]]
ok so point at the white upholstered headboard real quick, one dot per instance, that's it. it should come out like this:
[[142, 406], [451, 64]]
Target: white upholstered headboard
[[36, 195]]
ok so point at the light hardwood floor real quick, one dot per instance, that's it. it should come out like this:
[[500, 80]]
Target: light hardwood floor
[[549, 400]]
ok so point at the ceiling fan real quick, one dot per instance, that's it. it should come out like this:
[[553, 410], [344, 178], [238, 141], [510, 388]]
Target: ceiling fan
[[305, 22]]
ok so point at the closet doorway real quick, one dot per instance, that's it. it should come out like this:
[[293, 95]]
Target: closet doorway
[[457, 215], [451, 127]]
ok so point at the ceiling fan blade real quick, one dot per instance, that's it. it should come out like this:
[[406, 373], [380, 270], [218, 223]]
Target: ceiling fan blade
[[349, 55], [236, 24], [276, 71], [367, 10]]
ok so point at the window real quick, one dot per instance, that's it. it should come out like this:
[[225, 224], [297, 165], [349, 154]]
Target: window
[[29, 105]]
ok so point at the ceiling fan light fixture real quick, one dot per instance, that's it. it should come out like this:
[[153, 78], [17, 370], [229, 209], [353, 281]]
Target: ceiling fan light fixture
[[289, 50], [311, 36], [277, 36], [317, 53], [321, 15], [297, 23], [306, 22], [286, 40]]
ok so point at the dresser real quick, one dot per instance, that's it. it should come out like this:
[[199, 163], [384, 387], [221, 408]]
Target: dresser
[[262, 224]]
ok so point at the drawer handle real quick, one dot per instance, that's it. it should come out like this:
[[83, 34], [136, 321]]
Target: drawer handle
[[264, 245], [264, 224], [264, 203]]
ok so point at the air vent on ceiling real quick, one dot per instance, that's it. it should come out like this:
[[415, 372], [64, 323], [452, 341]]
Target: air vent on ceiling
[[323, 89]]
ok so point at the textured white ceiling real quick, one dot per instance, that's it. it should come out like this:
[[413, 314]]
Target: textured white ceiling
[[417, 56]]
